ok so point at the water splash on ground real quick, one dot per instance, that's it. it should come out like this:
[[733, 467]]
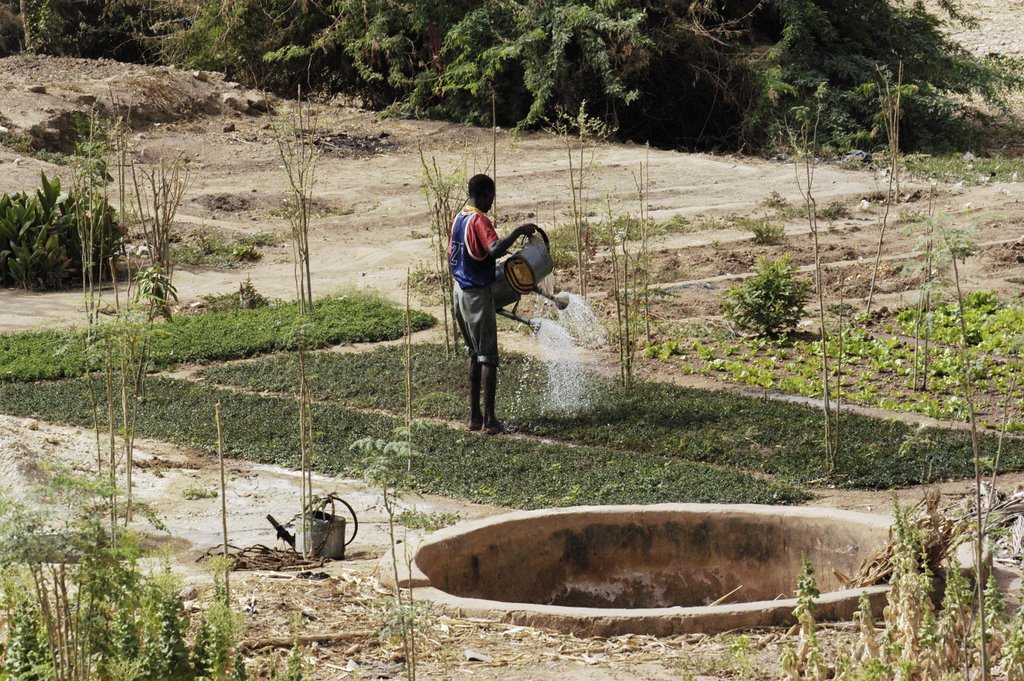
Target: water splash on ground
[[566, 389]]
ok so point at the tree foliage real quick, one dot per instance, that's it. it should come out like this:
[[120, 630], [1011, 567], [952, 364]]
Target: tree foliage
[[127, 30], [679, 73]]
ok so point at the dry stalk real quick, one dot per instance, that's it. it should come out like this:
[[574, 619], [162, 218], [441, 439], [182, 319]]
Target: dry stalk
[[408, 363], [134, 355], [223, 501], [580, 129], [891, 107], [299, 155], [157, 193], [924, 300], [443, 191], [839, 364], [806, 145], [957, 251], [642, 181], [930, 265], [306, 447], [494, 152], [111, 429]]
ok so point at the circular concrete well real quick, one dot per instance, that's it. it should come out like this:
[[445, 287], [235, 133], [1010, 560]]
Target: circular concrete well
[[664, 569]]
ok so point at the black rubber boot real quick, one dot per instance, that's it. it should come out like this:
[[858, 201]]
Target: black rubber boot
[[492, 426], [476, 418]]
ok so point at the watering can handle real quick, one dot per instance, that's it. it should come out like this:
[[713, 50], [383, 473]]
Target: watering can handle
[[544, 235], [355, 521], [538, 230]]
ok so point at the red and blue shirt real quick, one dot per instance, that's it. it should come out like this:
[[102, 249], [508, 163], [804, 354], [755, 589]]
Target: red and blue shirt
[[471, 234]]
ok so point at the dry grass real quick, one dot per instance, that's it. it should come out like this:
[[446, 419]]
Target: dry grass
[[342, 617]]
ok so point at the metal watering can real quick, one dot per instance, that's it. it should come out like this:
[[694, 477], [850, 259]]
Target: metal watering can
[[325, 537], [519, 274]]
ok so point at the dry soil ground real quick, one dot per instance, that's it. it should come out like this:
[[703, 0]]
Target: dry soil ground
[[371, 227]]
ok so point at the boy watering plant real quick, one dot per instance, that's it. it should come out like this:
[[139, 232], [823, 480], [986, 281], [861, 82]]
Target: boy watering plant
[[473, 248]]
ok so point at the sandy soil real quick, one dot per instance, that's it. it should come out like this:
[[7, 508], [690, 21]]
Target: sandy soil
[[371, 227]]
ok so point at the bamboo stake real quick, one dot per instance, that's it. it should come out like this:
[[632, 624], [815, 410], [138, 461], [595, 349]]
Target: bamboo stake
[[968, 388], [113, 444], [494, 152], [223, 499]]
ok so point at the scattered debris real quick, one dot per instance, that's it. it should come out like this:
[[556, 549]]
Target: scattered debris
[[943, 531], [857, 156], [260, 557], [344, 144], [473, 656]]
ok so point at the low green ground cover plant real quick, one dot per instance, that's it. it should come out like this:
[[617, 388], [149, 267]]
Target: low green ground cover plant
[[967, 168], [222, 335], [696, 425], [993, 326], [210, 249], [520, 473]]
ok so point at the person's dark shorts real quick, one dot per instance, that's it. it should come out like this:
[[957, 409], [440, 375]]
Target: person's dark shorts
[[474, 312]]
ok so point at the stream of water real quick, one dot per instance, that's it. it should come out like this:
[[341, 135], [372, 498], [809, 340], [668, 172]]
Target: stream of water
[[565, 388]]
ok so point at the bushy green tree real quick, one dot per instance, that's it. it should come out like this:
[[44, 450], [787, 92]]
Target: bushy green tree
[[116, 29], [852, 45], [683, 73], [770, 303], [269, 44]]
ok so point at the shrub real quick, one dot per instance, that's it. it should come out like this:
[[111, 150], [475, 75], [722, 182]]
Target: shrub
[[770, 303], [835, 210], [766, 232], [40, 243]]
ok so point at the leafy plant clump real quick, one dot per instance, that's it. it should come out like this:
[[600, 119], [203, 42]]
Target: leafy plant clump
[[521, 473], [196, 492], [889, 370], [766, 231], [771, 303], [230, 334], [428, 522], [40, 236], [80, 604], [210, 249], [245, 298]]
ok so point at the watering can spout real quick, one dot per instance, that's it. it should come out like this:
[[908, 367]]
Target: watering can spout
[[561, 300], [282, 534]]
